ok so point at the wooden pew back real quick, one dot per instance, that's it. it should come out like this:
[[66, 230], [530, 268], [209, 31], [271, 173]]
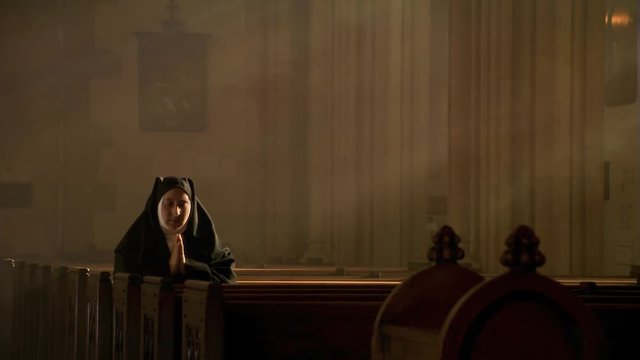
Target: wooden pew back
[[70, 313], [19, 309], [617, 308], [521, 314], [99, 303], [409, 321], [104, 347], [126, 309], [92, 316], [271, 320], [63, 315], [202, 321], [44, 303], [79, 283], [161, 316], [7, 280], [293, 321]]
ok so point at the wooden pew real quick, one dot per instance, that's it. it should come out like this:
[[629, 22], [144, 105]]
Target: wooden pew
[[593, 288], [92, 316], [279, 321], [7, 279], [70, 309], [31, 311], [37, 291], [52, 313], [202, 321], [62, 315], [265, 319], [517, 315], [409, 322], [617, 308], [104, 346], [44, 303], [303, 319], [126, 311], [621, 324], [99, 304], [19, 309], [275, 287], [79, 282], [312, 325], [161, 319], [321, 273], [270, 294], [521, 314]]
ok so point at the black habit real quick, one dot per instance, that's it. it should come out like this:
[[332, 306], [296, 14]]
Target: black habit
[[144, 249]]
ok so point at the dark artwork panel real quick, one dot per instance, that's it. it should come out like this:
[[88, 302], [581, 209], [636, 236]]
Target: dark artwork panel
[[15, 195], [172, 81]]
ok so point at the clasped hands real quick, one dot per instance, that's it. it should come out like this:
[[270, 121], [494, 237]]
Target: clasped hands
[[177, 259]]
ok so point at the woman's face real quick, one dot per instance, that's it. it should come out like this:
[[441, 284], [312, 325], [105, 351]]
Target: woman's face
[[176, 208]]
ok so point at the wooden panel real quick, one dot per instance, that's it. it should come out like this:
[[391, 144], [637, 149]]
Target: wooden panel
[[7, 278], [92, 316], [81, 312], [537, 303], [105, 317], [290, 329], [99, 316], [422, 302], [126, 310], [161, 313], [202, 321], [20, 310], [64, 315], [150, 315], [45, 309], [501, 318], [32, 311], [405, 343]]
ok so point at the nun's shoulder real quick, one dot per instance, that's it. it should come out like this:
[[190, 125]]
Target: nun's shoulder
[[134, 235]]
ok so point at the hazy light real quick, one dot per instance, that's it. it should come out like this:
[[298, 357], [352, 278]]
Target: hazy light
[[619, 18]]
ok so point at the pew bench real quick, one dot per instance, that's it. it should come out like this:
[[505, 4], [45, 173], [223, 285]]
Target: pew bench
[[280, 320], [253, 319]]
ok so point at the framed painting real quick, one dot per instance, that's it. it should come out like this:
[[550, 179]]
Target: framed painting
[[172, 81]]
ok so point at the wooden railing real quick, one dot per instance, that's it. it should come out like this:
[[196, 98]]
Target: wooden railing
[[74, 313]]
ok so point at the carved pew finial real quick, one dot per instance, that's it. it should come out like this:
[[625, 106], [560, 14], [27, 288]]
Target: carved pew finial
[[445, 247], [522, 250]]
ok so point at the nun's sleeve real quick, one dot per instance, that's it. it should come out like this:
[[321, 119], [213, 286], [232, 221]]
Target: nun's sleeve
[[127, 253], [217, 267], [123, 264]]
